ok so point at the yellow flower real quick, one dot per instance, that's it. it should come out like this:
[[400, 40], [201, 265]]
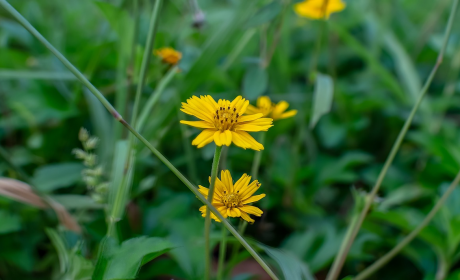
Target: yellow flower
[[169, 55], [223, 122], [318, 9], [267, 108], [231, 199]]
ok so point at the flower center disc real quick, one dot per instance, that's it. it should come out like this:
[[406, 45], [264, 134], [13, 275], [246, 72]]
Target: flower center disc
[[231, 200], [225, 118]]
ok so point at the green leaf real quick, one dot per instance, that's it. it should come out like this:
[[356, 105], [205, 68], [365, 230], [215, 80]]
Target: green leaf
[[74, 201], [404, 66], [9, 222], [322, 97], [255, 82], [124, 262], [54, 176], [118, 173], [265, 14], [403, 195], [291, 266], [60, 247]]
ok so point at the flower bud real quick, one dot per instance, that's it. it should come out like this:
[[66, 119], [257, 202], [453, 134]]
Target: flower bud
[[83, 134], [90, 160], [92, 142], [79, 153]]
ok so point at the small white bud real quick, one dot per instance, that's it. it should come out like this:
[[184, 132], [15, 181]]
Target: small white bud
[[90, 160], [102, 188], [92, 142], [79, 153], [83, 134]]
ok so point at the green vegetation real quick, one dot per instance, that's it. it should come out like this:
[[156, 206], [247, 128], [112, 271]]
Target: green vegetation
[[99, 180]]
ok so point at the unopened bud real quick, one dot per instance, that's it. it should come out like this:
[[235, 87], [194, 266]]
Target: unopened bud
[[79, 153], [102, 188], [91, 143], [90, 160], [83, 134], [90, 180], [97, 198], [199, 19]]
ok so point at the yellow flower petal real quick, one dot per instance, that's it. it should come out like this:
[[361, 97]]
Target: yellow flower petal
[[249, 140], [204, 138], [288, 114], [251, 210], [246, 217], [253, 199], [199, 124]]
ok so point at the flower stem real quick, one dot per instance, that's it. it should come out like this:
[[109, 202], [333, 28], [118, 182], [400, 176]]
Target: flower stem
[[340, 258], [257, 158], [222, 249], [207, 222], [388, 256], [119, 118]]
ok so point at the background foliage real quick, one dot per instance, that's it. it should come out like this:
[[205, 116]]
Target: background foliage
[[377, 53]]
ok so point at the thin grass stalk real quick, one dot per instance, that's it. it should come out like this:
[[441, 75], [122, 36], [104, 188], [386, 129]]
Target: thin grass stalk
[[119, 118], [388, 256], [146, 59], [123, 189], [257, 157], [207, 222], [340, 258], [222, 251], [155, 96], [247, 36]]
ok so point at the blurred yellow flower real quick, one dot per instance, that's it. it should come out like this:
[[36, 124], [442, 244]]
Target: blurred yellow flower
[[267, 108], [169, 55], [318, 9], [223, 122], [231, 199]]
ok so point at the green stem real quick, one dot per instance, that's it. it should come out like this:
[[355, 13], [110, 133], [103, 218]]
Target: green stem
[[238, 48], [257, 158], [222, 249], [340, 258], [119, 118], [207, 222], [153, 99], [254, 174], [146, 59], [388, 256]]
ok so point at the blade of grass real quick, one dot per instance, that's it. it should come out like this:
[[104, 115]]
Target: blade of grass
[[222, 249], [153, 99], [119, 118], [340, 258], [388, 256], [207, 222]]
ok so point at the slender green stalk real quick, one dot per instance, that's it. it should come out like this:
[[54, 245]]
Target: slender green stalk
[[254, 174], [123, 189], [146, 59], [388, 256], [119, 118], [247, 36], [222, 249], [340, 258], [153, 99], [207, 222], [257, 158]]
